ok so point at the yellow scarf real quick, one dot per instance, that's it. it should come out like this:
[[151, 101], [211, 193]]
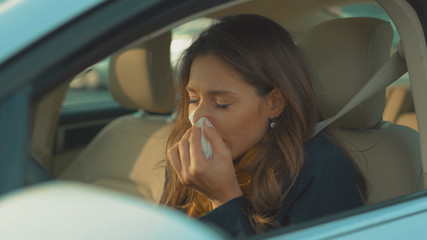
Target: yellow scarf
[[201, 205]]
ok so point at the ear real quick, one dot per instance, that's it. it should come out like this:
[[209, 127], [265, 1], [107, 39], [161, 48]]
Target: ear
[[276, 103]]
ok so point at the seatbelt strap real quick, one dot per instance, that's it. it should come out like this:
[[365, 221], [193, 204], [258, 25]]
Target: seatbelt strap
[[386, 75]]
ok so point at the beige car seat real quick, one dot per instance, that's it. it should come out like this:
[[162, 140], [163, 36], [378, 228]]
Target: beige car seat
[[127, 154], [344, 54]]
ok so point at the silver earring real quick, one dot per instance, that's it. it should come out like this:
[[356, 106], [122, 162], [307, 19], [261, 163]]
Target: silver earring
[[273, 122]]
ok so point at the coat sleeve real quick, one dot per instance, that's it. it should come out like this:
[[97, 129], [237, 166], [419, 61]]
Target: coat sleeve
[[231, 217]]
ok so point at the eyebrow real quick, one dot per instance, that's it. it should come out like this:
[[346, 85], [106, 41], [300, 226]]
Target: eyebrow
[[213, 92]]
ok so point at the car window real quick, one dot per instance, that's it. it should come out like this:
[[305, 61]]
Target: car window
[[183, 36], [89, 89]]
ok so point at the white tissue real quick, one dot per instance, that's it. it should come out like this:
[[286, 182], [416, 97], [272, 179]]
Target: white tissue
[[206, 145]]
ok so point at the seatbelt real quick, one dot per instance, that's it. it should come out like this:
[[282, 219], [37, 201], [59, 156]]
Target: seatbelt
[[386, 75]]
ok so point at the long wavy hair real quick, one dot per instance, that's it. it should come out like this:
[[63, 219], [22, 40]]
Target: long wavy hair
[[266, 57]]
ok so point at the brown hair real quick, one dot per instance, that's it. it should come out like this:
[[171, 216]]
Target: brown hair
[[266, 57]]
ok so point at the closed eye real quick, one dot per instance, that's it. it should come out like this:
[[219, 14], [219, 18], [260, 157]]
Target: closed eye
[[193, 101], [222, 106]]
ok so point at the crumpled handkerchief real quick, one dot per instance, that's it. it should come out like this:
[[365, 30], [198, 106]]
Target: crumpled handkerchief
[[206, 145]]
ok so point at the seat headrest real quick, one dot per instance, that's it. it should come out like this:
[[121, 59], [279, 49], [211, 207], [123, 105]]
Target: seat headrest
[[140, 76], [344, 54]]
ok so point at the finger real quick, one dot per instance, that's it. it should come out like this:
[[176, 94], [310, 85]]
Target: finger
[[198, 160], [214, 138], [184, 154], [173, 155], [195, 142]]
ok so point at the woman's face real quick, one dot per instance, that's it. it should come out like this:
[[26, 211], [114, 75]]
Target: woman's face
[[237, 112]]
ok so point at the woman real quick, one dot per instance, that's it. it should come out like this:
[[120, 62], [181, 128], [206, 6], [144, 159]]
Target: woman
[[245, 75]]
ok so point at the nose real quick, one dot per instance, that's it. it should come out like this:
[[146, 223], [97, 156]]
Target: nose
[[197, 113], [195, 116]]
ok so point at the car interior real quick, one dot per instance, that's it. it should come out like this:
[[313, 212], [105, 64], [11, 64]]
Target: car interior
[[372, 142], [127, 151]]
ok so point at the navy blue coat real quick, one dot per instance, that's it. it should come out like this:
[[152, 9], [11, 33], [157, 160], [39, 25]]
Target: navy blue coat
[[325, 185]]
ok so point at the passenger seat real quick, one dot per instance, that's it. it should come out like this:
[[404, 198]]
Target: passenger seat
[[127, 155], [344, 54]]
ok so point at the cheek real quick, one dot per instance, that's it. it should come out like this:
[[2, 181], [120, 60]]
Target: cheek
[[243, 130]]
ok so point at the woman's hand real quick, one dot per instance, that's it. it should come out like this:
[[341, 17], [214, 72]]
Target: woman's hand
[[216, 177]]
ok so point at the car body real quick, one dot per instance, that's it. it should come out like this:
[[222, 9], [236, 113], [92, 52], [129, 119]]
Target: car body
[[50, 42]]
